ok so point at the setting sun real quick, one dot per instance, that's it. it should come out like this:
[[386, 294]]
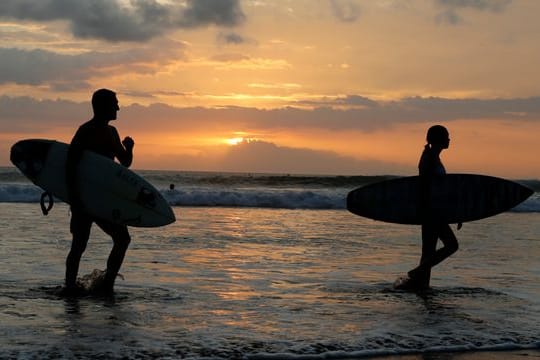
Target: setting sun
[[234, 141]]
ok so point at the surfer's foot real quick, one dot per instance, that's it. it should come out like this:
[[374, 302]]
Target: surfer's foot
[[72, 291], [402, 283], [102, 290], [100, 284], [410, 284], [416, 273], [419, 278]]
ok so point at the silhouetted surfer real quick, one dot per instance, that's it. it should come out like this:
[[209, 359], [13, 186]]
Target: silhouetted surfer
[[98, 136], [430, 167]]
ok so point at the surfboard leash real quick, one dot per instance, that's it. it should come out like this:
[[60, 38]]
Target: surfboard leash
[[45, 209]]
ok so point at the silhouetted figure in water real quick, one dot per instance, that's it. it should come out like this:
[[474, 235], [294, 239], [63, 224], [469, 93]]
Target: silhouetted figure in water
[[431, 167], [98, 136]]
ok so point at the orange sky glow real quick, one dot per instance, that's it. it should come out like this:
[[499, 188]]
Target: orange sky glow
[[286, 86]]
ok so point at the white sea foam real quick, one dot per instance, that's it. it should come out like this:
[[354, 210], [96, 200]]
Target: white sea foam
[[264, 198], [209, 196]]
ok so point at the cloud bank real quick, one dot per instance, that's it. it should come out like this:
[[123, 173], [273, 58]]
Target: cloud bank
[[39, 67], [267, 157], [26, 112], [262, 156], [194, 136]]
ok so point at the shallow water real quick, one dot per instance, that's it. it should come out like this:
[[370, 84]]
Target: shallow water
[[261, 283]]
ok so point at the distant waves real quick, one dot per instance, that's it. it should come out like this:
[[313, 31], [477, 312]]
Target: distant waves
[[261, 197], [211, 189]]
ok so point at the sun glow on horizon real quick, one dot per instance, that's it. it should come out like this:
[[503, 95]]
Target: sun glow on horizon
[[237, 138], [234, 141]]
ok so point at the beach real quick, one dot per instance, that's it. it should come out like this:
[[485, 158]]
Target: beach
[[241, 282]]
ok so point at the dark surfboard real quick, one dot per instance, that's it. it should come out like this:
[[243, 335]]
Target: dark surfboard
[[452, 198]]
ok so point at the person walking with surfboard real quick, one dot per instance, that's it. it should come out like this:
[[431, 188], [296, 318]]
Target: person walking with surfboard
[[98, 136], [430, 167]]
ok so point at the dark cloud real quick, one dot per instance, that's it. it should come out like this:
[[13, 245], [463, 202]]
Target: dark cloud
[[345, 10], [211, 12], [34, 67], [349, 101], [28, 115], [368, 118], [110, 20], [70, 72], [232, 38], [456, 109], [452, 7]]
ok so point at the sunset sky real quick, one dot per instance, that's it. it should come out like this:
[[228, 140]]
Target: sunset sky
[[281, 86]]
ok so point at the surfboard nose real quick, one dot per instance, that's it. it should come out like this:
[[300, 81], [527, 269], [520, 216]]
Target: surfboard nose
[[524, 193], [29, 156]]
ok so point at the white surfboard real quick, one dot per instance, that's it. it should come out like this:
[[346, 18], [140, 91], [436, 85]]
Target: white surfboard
[[107, 189]]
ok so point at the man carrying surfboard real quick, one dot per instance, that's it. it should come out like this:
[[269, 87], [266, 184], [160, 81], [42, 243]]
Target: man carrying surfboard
[[98, 136], [430, 167]]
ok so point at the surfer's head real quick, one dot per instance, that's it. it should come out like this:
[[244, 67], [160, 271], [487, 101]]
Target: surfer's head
[[105, 104], [438, 135]]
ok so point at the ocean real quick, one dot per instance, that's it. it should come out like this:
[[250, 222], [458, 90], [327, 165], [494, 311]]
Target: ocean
[[262, 266]]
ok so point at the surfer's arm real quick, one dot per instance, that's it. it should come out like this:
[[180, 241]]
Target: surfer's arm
[[124, 149]]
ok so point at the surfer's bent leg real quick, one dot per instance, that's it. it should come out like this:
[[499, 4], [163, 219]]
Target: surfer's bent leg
[[450, 243], [430, 256], [121, 240], [80, 229]]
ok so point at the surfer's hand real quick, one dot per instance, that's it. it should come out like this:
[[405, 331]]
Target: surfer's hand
[[128, 143]]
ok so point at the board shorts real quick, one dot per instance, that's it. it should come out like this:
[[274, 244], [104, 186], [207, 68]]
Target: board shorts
[[81, 223]]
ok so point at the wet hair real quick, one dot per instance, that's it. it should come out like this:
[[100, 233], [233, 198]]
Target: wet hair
[[437, 134], [102, 99]]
